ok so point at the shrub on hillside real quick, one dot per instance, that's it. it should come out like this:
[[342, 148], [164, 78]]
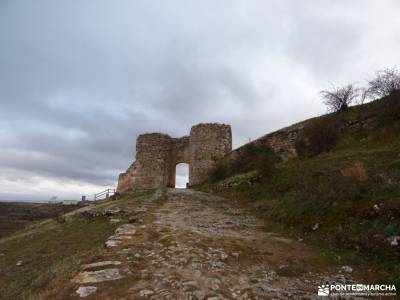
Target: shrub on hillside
[[219, 171], [251, 157], [318, 137], [385, 83], [357, 171], [340, 98], [390, 112]]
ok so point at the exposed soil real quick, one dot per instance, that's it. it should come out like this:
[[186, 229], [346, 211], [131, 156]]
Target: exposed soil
[[193, 245]]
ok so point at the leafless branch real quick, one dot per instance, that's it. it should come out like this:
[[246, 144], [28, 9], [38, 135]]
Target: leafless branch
[[340, 98], [386, 83]]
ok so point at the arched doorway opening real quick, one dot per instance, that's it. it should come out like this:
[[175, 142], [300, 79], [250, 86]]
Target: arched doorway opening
[[181, 175]]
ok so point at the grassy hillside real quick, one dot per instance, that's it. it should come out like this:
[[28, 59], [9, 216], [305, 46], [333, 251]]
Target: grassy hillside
[[342, 193], [40, 259]]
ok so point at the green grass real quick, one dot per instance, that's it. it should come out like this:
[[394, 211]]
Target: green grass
[[167, 241], [124, 200], [50, 254], [336, 189]]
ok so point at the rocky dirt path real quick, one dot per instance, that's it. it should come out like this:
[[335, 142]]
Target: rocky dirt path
[[193, 245]]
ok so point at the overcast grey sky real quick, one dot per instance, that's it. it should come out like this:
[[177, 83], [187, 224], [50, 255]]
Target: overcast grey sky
[[79, 80]]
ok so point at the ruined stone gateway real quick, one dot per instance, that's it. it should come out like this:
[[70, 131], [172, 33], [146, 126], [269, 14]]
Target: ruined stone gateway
[[158, 154]]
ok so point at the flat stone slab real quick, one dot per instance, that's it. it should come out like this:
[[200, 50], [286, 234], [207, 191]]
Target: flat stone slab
[[115, 221], [85, 291], [122, 237], [123, 232], [112, 243], [98, 276], [113, 211], [126, 229], [146, 293], [101, 264]]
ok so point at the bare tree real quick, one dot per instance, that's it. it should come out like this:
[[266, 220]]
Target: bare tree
[[340, 98], [363, 92], [386, 83]]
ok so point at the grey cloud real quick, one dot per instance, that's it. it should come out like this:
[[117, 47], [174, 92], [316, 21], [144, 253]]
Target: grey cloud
[[80, 80]]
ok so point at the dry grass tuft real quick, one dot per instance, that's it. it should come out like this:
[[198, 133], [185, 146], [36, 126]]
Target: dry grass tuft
[[357, 171]]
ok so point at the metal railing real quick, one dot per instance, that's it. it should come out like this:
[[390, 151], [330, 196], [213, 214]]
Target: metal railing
[[104, 194]]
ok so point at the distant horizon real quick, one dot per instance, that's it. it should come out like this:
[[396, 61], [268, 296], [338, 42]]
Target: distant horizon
[[40, 199], [30, 201]]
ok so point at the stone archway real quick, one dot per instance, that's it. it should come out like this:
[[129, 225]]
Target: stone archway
[[181, 175], [158, 154]]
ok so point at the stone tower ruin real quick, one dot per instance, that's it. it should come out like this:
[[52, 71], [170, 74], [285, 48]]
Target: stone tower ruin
[[158, 154]]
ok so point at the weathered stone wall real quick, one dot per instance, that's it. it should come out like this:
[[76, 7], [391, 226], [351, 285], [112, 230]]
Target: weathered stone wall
[[123, 181], [152, 159], [282, 142], [208, 143], [158, 154]]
